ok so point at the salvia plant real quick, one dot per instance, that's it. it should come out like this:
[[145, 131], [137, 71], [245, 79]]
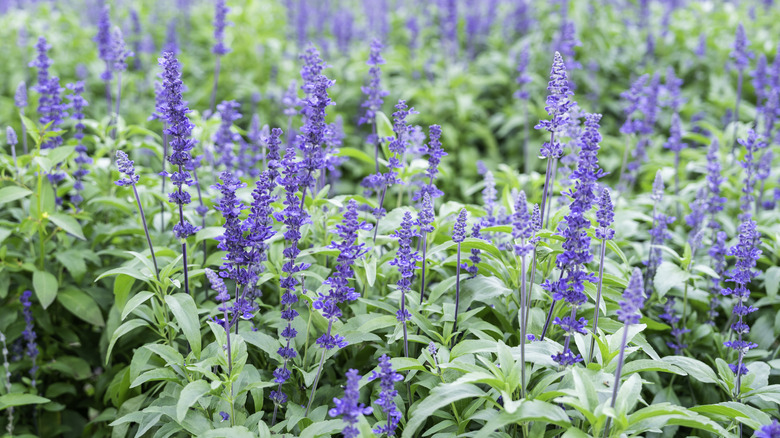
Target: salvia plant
[[300, 218]]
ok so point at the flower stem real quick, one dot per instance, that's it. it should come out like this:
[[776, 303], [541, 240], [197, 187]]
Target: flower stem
[[319, 371], [457, 297], [146, 231], [214, 88], [598, 300], [523, 322]]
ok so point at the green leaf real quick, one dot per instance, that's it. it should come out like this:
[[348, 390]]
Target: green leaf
[[122, 330], [355, 153], [231, 432], [19, 399], [186, 313], [527, 410], [322, 428], [695, 368], [628, 394], [639, 365], [136, 301], [772, 281], [45, 286], [12, 193], [441, 396], [189, 396], [668, 276], [81, 305]]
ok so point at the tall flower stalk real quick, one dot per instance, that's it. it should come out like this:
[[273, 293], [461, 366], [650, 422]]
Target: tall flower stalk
[[558, 105], [425, 221], [522, 94], [223, 297], [219, 49], [349, 407], [746, 252], [7, 382], [458, 236], [339, 289], [374, 96], [20, 101], [522, 233], [179, 131], [29, 336], [105, 51], [120, 53], [406, 261], [78, 103], [658, 233], [604, 216], [629, 313], [741, 56], [293, 217], [387, 377], [125, 166]]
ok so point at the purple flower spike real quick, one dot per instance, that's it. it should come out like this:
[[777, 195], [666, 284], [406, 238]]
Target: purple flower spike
[[406, 261], [633, 300], [220, 14], [558, 105], [459, 230], [232, 240], [29, 334], [349, 407], [373, 92], [10, 136], [747, 253], [387, 378], [218, 285], [125, 166], [741, 54], [752, 145], [769, 431], [20, 97], [522, 227], [103, 40], [605, 216], [225, 139], [435, 154]]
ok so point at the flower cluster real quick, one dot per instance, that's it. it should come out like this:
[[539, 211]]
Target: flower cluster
[[374, 93], [225, 139], [435, 154], [312, 136], [387, 378], [29, 334], [741, 54], [350, 407], [605, 215], [103, 40], [78, 103], [459, 230], [658, 233], [259, 226], [119, 51], [752, 145], [717, 252], [643, 100], [670, 316], [406, 260], [220, 13], [714, 179], [51, 109], [125, 166], [339, 289], [232, 240], [522, 74], [558, 105], [633, 299], [747, 253], [293, 217], [179, 130], [522, 227], [675, 143]]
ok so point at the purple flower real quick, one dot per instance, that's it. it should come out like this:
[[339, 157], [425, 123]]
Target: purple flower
[[50, 106], [78, 103], [29, 334], [459, 230], [220, 13], [672, 90], [633, 299], [675, 143], [225, 139], [350, 407], [747, 253], [567, 41], [349, 251], [489, 196], [218, 285], [126, 168], [658, 233], [558, 105], [714, 180], [259, 226], [605, 216], [741, 55], [752, 145], [20, 97], [179, 131], [103, 40], [406, 261], [387, 378], [717, 253], [670, 316], [435, 154], [232, 240], [522, 228], [400, 142], [225, 416], [312, 136], [119, 51], [373, 92], [10, 136], [769, 431], [426, 216], [523, 77]]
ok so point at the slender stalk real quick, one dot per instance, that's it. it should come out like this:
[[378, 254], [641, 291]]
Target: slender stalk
[[24, 133], [202, 218], [550, 312], [381, 201], [523, 321], [10, 426], [618, 372], [146, 231], [118, 101], [184, 247], [376, 145], [319, 371], [625, 160], [547, 175], [549, 197], [759, 201], [424, 240], [108, 93], [736, 112], [229, 359], [164, 161], [457, 298], [598, 300], [526, 149], [532, 279], [677, 182], [214, 88]]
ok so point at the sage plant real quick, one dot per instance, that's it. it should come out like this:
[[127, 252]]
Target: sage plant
[[741, 57], [219, 49], [339, 291], [349, 407], [425, 222], [405, 260], [458, 236], [605, 215], [387, 377], [374, 97], [522, 234]]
